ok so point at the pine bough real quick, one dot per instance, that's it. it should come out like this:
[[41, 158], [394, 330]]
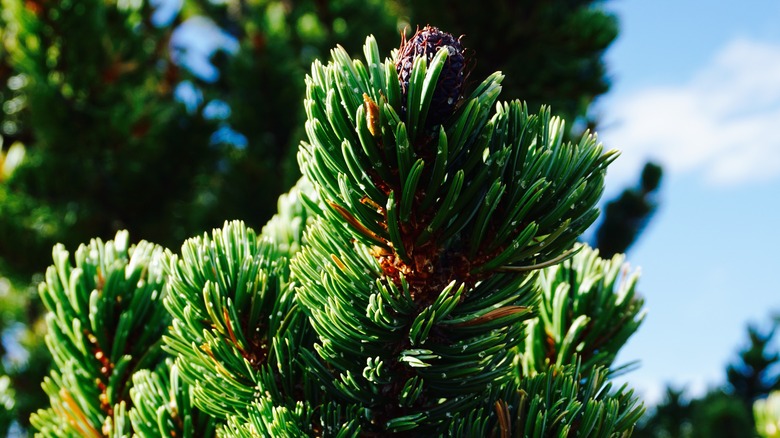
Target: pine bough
[[423, 279]]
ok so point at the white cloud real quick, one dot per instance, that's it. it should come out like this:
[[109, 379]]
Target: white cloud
[[724, 124]]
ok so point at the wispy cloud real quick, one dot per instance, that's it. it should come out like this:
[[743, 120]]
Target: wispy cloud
[[724, 124]]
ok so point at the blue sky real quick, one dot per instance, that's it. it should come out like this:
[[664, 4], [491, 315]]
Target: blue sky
[[696, 86]]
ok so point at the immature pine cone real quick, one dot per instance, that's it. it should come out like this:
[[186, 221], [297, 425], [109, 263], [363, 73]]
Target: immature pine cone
[[426, 42]]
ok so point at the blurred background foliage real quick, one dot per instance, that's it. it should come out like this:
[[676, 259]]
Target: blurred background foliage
[[735, 408], [167, 117]]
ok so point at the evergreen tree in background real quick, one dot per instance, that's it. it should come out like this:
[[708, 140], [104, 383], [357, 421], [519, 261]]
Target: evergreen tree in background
[[109, 124], [716, 414], [106, 121], [670, 418], [88, 96], [104, 134], [399, 291], [734, 410], [627, 216], [719, 415], [755, 374]]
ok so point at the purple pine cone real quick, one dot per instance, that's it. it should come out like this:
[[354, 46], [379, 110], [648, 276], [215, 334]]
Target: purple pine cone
[[426, 42]]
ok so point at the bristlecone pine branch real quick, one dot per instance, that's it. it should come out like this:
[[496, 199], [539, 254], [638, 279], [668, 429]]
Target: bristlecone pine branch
[[105, 324], [422, 267], [589, 308], [397, 292]]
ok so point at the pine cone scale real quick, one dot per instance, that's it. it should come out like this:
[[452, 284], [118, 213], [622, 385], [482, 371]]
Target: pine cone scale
[[426, 43]]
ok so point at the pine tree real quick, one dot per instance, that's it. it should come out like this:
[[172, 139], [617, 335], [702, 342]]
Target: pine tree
[[735, 409], [275, 44], [672, 417], [404, 287], [720, 415], [754, 375], [89, 101], [715, 414], [627, 216], [102, 120]]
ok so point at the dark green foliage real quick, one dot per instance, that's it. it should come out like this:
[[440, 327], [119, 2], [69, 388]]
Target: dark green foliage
[[413, 318], [671, 418], [754, 375], [720, 415], [404, 302], [103, 132], [717, 414], [626, 216]]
